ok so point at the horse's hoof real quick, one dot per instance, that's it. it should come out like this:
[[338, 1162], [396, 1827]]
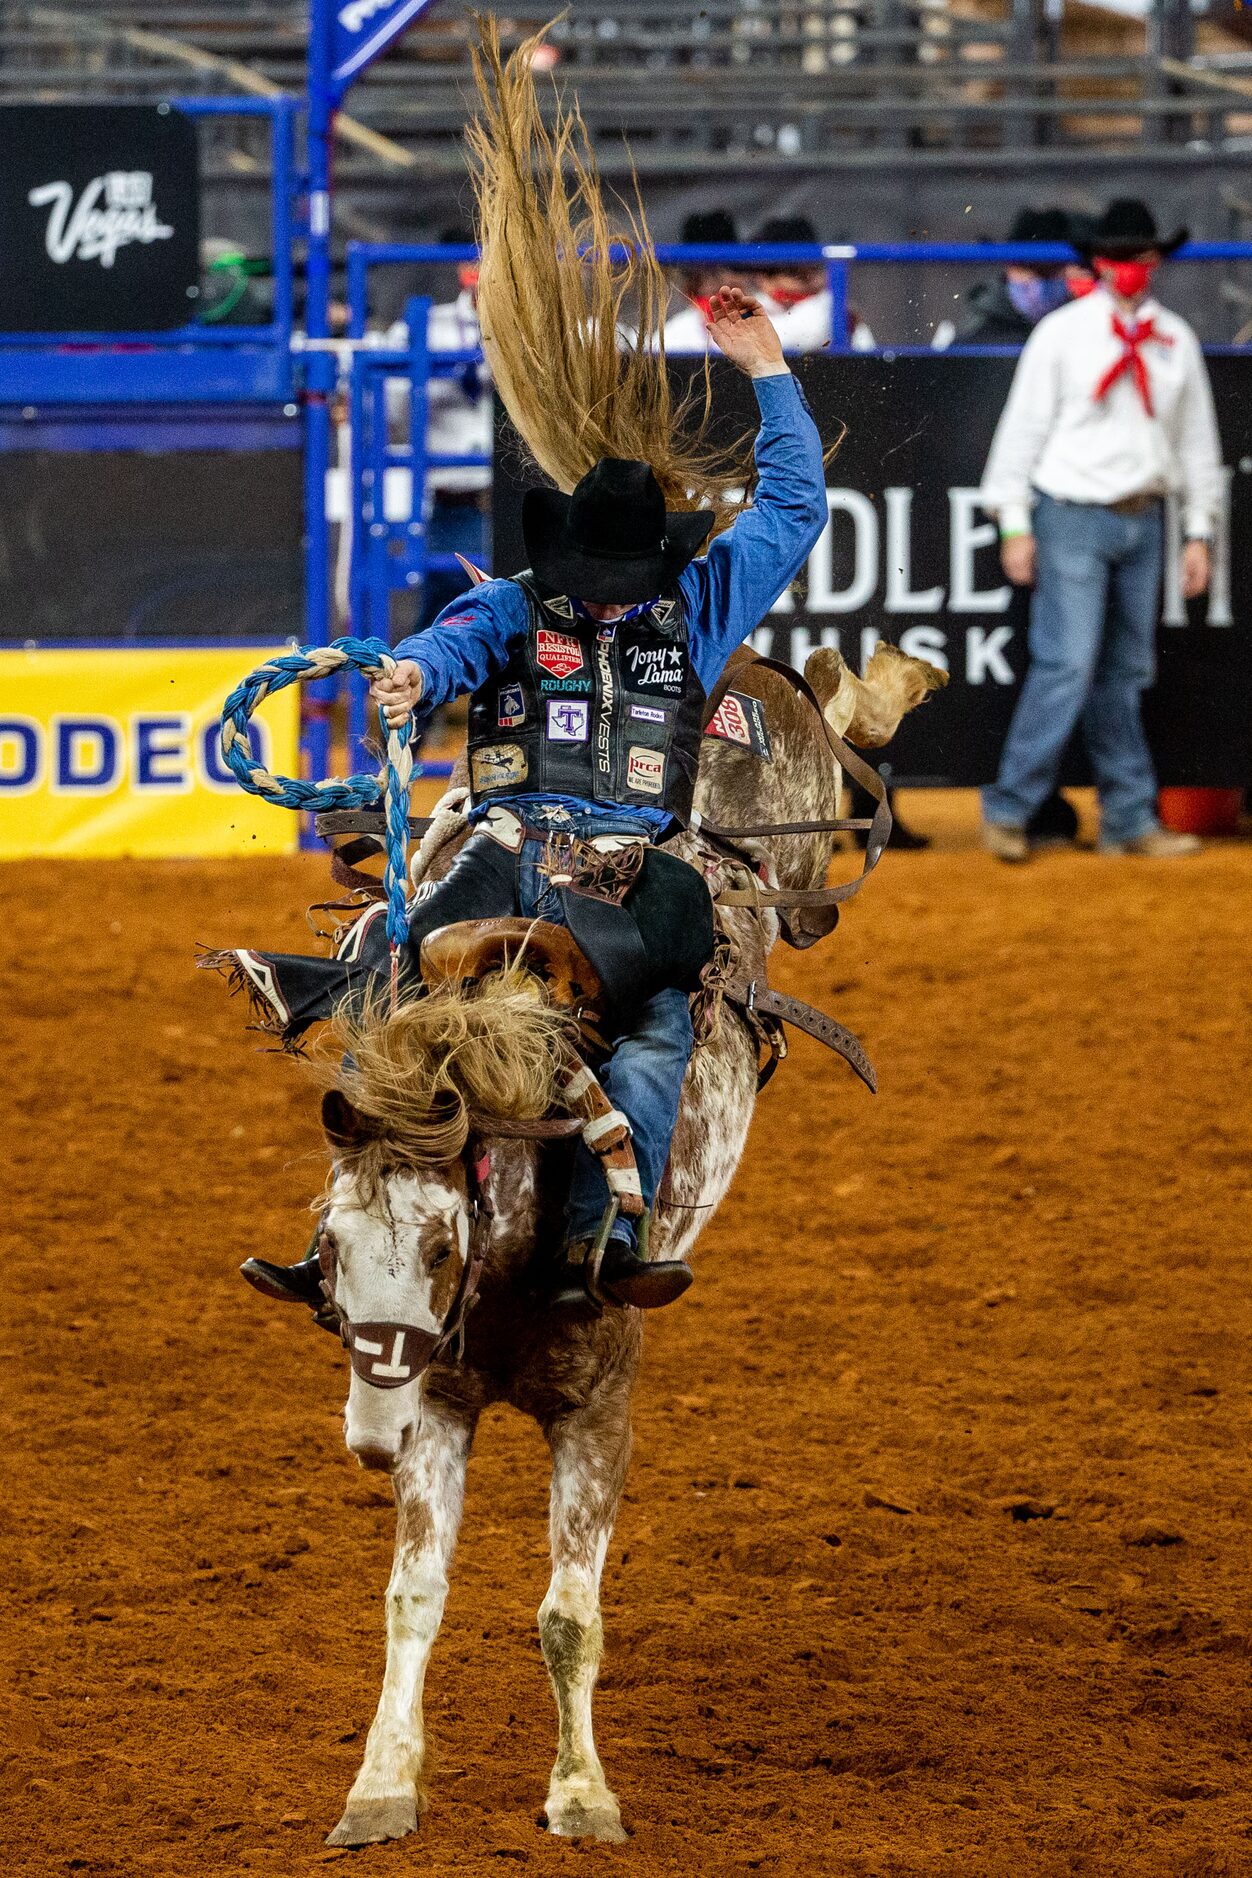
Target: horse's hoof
[[573, 1820], [369, 1821]]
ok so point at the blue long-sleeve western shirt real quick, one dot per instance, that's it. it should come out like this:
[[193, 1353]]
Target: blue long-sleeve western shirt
[[727, 592]]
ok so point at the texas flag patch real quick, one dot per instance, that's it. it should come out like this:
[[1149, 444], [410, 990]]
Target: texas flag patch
[[558, 653], [740, 718]]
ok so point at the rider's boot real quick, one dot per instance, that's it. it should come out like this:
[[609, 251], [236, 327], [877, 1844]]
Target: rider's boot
[[625, 1276], [291, 1284]]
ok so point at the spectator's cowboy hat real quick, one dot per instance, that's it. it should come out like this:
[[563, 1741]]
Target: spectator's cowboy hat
[[1126, 228], [612, 542], [1041, 225], [784, 229], [710, 228]]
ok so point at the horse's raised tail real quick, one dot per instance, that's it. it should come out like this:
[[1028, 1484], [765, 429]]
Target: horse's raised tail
[[418, 1077], [867, 711]]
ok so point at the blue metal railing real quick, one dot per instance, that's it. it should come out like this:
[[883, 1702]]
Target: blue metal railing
[[838, 259], [392, 554]]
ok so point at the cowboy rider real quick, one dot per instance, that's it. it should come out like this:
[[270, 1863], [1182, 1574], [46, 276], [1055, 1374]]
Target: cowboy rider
[[588, 677]]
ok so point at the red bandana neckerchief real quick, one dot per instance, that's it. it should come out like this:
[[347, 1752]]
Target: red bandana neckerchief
[[1131, 360]]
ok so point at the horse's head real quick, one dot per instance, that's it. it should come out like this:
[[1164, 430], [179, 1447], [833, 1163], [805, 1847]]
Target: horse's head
[[406, 1219], [399, 1256]]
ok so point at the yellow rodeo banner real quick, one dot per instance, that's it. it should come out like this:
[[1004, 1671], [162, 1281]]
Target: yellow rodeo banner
[[111, 752]]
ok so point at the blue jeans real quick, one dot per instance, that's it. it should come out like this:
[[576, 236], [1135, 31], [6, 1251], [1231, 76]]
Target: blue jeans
[[1092, 653], [644, 1074]]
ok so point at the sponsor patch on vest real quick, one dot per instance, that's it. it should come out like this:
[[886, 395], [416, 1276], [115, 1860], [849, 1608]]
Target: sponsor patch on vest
[[580, 686], [648, 713], [497, 766], [558, 653], [654, 667], [510, 707], [569, 720], [740, 718], [645, 770]]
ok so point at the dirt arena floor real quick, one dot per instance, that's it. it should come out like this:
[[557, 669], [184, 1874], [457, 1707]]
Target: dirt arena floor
[[935, 1552]]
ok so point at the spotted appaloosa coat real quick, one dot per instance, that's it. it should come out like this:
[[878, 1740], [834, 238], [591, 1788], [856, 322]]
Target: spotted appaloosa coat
[[574, 1376]]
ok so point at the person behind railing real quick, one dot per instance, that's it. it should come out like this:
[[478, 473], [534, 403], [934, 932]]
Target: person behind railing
[[797, 295], [687, 330], [1005, 311], [458, 423], [1110, 411]]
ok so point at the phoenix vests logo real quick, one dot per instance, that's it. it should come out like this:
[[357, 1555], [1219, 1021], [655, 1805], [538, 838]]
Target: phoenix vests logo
[[113, 211]]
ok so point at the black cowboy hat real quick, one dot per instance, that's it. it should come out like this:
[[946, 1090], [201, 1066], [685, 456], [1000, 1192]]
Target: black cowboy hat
[[780, 230], [1126, 228], [1041, 225], [711, 228], [612, 542]]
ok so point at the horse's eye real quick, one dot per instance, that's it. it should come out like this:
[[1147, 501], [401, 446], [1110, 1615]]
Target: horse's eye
[[441, 1257]]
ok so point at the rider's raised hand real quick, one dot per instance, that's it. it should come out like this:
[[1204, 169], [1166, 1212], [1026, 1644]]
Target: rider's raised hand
[[742, 329], [398, 691]]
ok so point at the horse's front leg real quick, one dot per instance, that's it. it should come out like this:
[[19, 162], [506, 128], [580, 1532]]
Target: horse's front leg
[[590, 1449], [387, 1794]]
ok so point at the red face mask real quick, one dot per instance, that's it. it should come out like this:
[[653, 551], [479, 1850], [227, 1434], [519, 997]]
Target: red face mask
[[1128, 279], [790, 296]]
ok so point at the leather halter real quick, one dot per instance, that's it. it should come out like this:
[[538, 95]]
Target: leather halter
[[388, 1355]]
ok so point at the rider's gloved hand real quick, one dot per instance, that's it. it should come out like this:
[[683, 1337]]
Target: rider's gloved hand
[[397, 692]]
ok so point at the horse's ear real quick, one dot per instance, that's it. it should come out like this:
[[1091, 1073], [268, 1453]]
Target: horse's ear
[[344, 1126]]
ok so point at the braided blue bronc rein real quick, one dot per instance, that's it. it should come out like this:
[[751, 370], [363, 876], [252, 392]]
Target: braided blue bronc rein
[[372, 658]]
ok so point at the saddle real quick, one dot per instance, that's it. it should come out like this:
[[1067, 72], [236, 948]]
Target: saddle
[[465, 952]]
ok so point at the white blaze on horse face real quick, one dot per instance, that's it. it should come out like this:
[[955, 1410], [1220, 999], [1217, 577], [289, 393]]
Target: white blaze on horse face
[[398, 1263]]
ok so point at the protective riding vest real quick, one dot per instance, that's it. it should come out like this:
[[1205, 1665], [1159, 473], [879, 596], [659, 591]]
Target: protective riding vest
[[608, 713]]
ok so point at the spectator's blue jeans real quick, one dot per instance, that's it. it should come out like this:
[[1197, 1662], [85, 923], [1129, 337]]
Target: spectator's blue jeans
[[1092, 652]]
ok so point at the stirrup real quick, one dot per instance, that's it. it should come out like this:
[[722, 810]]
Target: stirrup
[[647, 1284], [599, 1246]]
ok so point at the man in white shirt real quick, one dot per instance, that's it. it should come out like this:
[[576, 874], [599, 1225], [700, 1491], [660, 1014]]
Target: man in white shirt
[[1110, 410]]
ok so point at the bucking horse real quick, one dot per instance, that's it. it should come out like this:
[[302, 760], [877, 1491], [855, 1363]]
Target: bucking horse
[[444, 1196], [450, 1118]]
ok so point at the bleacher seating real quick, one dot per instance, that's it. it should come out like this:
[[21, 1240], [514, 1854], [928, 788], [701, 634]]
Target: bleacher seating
[[857, 109], [799, 77]]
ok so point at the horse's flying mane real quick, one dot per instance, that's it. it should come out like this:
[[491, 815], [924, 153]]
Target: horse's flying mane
[[420, 1076], [573, 331]]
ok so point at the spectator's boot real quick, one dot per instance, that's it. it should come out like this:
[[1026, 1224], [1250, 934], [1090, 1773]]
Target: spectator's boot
[[1006, 841], [907, 840], [1156, 844]]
